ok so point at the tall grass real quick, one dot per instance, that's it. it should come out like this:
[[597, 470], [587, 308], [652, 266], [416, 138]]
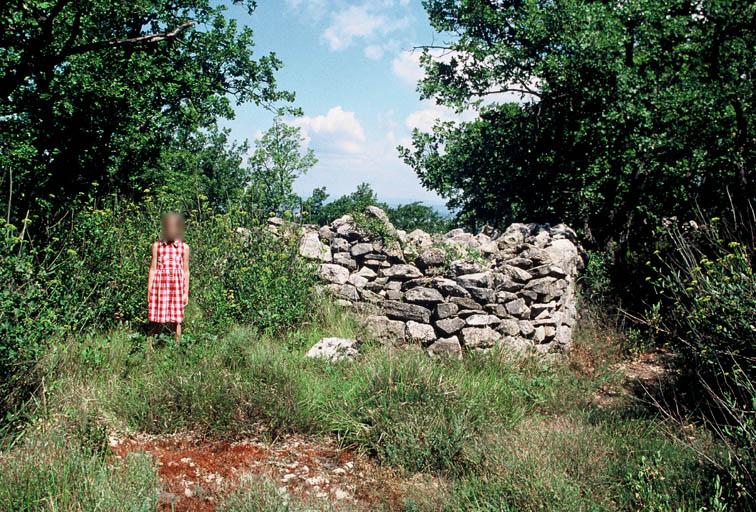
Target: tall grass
[[502, 433], [49, 472]]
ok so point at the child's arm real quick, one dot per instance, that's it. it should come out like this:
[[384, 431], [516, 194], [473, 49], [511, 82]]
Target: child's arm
[[153, 268], [186, 274]]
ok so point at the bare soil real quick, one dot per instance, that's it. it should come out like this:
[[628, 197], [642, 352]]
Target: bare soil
[[197, 473]]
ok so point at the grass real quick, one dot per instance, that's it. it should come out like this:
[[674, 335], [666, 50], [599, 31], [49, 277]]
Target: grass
[[48, 472], [258, 494], [502, 434]]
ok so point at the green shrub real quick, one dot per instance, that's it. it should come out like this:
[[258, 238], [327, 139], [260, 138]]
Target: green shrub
[[220, 386], [493, 432], [91, 275], [708, 299]]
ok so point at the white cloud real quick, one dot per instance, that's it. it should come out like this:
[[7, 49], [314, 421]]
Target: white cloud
[[336, 131], [425, 118], [378, 164], [313, 10], [406, 66], [373, 52], [362, 21], [348, 156]]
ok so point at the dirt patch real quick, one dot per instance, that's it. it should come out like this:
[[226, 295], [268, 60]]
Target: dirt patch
[[197, 473], [644, 377]]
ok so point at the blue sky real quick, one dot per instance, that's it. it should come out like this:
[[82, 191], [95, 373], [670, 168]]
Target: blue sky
[[352, 67]]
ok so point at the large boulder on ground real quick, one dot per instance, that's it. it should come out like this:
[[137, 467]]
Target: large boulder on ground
[[334, 349]]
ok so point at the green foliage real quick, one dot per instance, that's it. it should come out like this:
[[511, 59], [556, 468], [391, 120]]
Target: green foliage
[[629, 112], [278, 160], [421, 416], [245, 275], [707, 294], [205, 164], [407, 217], [92, 277], [374, 227], [418, 216], [313, 205], [651, 489], [596, 280], [348, 204], [499, 434], [115, 92]]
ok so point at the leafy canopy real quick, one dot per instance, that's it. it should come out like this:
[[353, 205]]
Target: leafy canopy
[[110, 93], [278, 160], [606, 115]]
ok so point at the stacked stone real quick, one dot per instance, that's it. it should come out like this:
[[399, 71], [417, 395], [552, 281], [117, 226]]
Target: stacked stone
[[514, 289]]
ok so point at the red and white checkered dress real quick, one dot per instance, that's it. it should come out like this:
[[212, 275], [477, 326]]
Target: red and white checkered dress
[[166, 298]]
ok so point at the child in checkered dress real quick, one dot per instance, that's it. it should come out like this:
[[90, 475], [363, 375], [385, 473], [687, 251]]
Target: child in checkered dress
[[168, 283]]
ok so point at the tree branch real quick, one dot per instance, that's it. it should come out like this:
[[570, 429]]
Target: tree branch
[[523, 91], [34, 63], [132, 41]]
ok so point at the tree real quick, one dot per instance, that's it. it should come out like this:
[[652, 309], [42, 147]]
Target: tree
[[313, 205], [628, 112], [206, 167], [418, 216], [279, 159], [355, 202], [98, 92]]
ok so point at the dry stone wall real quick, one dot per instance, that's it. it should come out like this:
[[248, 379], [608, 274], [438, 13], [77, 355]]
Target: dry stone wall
[[454, 292]]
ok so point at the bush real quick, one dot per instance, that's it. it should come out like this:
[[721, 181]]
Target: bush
[[708, 300], [223, 387], [91, 273]]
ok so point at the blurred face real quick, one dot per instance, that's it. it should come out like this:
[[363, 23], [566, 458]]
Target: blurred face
[[173, 227]]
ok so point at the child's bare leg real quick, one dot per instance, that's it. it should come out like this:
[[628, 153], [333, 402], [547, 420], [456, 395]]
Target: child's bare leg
[[178, 332]]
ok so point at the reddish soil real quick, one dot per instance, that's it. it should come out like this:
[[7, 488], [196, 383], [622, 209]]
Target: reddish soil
[[196, 473]]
